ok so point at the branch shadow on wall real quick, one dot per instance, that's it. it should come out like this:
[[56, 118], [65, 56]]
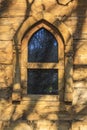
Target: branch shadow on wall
[[77, 36], [4, 6], [27, 108]]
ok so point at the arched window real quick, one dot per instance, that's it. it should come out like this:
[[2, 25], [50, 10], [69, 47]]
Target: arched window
[[42, 49], [43, 52], [42, 64]]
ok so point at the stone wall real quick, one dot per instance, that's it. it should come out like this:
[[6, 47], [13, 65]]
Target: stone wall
[[73, 13]]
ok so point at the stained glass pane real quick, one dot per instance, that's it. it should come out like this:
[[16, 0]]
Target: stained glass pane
[[42, 47], [42, 81]]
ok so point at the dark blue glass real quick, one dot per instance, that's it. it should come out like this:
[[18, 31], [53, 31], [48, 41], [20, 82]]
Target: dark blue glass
[[42, 47]]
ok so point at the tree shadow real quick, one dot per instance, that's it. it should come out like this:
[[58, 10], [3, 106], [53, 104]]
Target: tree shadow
[[80, 27], [77, 34], [4, 6], [28, 111], [61, 3]]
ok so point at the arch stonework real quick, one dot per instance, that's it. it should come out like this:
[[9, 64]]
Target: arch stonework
[[62, 28], [68, 52]]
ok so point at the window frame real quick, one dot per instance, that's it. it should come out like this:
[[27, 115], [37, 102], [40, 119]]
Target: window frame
[[24, 59]]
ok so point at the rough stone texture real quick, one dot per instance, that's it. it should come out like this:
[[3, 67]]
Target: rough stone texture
[[19, 126], [43, 114]]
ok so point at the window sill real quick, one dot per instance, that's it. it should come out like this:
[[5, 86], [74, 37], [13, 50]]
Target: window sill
[[37, 97]]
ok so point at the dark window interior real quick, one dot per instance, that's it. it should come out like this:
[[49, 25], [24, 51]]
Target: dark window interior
[[42, 47], [42, 81]]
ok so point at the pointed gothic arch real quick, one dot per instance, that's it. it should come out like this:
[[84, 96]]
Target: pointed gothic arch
[[45, 65], [65, 48]]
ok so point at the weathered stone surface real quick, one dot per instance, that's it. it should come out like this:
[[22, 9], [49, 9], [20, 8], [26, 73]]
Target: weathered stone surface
[[64, 2], [6, 110], [19, 126], [6, 93], [80, 74], [6, 52], [48, 109], [80, 84], [11, 9], [36, 108], [39, 125], [16, 97], [1, 125], [80, 49], [6, 33], [6, 76], [80, 60], [79, 126], [80, 52], [80, 96]]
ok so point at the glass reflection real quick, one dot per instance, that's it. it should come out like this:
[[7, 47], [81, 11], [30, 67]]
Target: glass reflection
[[42, 47]]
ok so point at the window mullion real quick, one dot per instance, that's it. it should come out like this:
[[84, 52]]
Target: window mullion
[[44, 65]]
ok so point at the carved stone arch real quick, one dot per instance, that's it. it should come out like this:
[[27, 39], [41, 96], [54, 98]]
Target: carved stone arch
[[62, 28], [67, 41], [52, 29], [24, 50]]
